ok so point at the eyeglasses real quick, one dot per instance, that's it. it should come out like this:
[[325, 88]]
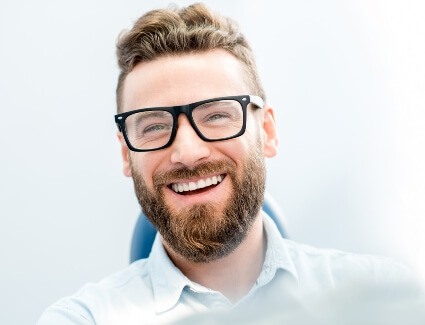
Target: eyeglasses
[[215, 119]]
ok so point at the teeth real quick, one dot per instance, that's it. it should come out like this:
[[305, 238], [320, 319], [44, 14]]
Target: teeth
[[191, 186], [180, 187], [201, 184]]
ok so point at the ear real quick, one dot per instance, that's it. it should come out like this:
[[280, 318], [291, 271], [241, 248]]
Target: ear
[[125, 155], [271, 140]]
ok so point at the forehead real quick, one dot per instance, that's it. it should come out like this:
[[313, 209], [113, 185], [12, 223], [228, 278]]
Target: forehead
[[182, 79]]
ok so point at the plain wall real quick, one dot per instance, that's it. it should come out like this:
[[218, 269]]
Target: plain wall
[[347, 80]]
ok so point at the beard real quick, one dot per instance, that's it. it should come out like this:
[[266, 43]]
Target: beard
[[209, 231]]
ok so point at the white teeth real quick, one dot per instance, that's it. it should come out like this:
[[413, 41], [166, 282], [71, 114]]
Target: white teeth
[[191, 186], [208, 182], [201, 183]]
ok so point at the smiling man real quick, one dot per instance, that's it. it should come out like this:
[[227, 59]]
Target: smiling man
[[203, 188], [202, 193], [195, 128]]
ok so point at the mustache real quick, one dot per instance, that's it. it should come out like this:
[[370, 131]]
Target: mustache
[[219, 166]]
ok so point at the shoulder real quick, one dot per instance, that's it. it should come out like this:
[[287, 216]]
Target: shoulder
[[331, 267], [91, 301]]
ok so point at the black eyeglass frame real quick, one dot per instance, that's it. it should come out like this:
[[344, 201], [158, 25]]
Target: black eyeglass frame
[[187, 109]]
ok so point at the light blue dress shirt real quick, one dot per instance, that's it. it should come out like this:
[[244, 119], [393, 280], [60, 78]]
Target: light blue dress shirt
[[154, 291]]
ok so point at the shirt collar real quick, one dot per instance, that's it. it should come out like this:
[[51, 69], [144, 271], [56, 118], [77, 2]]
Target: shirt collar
[[277, 254], [168, 281]]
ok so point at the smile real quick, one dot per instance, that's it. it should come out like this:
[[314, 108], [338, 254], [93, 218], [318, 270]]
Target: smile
[[200, 184]]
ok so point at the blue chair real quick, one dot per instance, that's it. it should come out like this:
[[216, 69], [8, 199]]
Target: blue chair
[[144, 232]]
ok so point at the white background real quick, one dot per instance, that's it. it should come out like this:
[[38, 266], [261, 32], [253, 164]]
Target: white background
[[347, 80]]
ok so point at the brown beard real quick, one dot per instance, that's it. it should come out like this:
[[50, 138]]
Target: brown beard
[[200, 233]]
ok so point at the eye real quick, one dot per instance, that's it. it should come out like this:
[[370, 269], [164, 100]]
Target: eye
[[154, 128], [216, 116]]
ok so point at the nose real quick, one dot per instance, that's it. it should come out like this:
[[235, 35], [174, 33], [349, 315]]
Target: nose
[[188, 148]]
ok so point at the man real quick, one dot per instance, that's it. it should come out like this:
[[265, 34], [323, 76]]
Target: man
[[194, 127]]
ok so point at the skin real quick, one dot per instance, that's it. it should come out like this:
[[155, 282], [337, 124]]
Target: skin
[[183, 79]]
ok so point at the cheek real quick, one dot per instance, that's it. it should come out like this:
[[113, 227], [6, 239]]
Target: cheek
[[253, 127], [144, 165], [237, 149]]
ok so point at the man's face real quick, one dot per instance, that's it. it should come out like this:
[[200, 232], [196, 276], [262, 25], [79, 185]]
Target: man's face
[[208, 223]]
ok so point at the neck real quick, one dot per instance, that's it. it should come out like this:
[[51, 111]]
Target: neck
[[233, 275]]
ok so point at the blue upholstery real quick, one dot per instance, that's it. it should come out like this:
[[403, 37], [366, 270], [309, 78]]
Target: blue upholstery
[[144, 232]]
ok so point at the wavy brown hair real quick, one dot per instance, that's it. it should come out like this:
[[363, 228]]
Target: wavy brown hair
[[176, 31]]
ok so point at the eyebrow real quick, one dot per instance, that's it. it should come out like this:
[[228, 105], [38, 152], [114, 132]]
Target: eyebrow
[[216, 103], [147, 114], [156, 113]]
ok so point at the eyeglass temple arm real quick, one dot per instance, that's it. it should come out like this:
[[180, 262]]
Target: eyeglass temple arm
[[256, 100], [117, 123]]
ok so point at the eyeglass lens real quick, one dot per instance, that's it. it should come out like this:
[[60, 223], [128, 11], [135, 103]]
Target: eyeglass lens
[[214, 120]]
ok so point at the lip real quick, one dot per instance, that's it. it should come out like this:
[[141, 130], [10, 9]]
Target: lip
[[195, 179], [214, 194]]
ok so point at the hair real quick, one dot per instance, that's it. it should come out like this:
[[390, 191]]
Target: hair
[[177, 31]]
